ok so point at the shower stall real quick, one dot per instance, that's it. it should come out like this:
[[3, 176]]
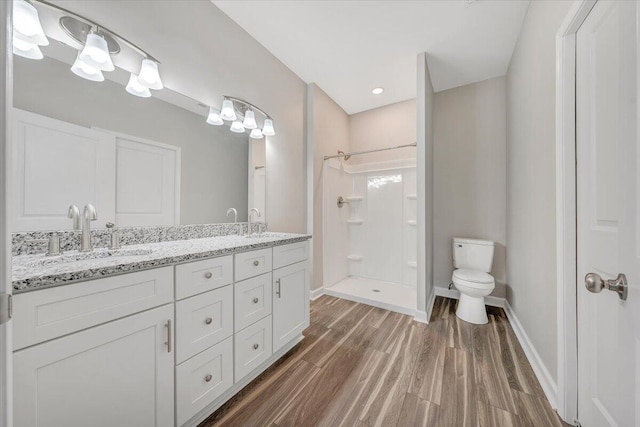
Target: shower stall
[[369, 231]]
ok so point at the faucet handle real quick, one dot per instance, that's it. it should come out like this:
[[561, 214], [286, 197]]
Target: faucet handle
[[110, 225]]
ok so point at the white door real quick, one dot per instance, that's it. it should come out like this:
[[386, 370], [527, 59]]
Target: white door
[[290, 303], [117, 374], [608, 191], [56, 164]]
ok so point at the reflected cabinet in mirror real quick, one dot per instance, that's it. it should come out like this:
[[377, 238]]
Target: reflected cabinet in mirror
[[140, 160]]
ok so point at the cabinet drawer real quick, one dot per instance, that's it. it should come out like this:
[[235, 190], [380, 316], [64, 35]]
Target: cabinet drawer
[[201, 276], [290, 254], [50, 313], [254, 263], [252, 300], [202, 321], [252, 347], [202, 379]]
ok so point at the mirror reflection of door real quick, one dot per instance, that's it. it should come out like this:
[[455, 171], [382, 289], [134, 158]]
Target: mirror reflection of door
[[258, 177]]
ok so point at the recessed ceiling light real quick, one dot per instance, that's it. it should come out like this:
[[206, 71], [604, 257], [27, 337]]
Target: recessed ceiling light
[[377, 90]]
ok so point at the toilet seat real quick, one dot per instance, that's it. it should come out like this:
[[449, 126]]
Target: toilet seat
[[473, 278]]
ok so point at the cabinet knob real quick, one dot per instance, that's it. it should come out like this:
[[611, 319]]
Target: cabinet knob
[[255, 300], [208, 378], [256, 263], [255, 346], [208, 275], [208, 320]]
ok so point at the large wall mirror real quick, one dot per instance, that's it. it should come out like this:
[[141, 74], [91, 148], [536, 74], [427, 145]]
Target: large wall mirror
[[140, 161]]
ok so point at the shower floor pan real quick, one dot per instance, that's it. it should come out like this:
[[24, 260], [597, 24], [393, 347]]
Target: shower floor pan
[[386, 295]]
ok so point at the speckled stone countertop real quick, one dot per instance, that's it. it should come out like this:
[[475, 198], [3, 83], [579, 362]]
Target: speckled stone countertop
[[31, 272]]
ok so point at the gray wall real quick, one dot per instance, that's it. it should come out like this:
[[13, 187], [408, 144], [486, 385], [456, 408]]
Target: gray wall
[[383, 127], [214, 160], [206, 55], [531, 225], [330, 133], [470, 173]]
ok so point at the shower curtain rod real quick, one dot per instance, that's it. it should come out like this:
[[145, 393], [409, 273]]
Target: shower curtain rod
[[355, 153]]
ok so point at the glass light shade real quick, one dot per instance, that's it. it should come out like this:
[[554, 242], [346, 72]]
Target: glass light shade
[[96, 53], [227, 112], [249, 120], [214, 117], [135, 88], [26, 23], [256, 134], [149, 76], [237, 127], [267, 129], [86, 71], [26, 50]]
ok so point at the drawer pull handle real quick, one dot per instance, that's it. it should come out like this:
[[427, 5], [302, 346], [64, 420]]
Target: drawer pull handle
[[255, 346], [208, 378], [256, 263], [208, 320], [278, 288], [208, 275], [168, 342], [255, 300]]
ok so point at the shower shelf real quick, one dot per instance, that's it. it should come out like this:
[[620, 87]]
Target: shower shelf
[[355, 221], [412, 196], [354, 198], [412, 264], [412, 222], [355, 257]]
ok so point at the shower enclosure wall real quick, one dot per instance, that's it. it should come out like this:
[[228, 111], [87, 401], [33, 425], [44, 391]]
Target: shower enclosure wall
[[370, 242]]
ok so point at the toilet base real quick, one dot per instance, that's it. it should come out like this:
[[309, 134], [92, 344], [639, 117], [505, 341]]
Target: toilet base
[[471, 309]]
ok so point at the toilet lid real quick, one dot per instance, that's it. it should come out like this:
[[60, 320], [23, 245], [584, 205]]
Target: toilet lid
[[474, 276]]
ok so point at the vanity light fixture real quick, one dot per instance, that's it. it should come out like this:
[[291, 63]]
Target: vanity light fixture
[[256, 134], [237, 127], [228, 112], [214, 117], [86, 71], [28, 34], [267, 129], [249, 120], [98, 44], [135, 88]]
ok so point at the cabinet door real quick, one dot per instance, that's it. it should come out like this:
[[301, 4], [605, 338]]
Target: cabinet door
[[290, 303], [117, 374]]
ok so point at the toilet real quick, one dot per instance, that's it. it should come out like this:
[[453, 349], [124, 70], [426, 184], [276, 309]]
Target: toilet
[[473, 259]]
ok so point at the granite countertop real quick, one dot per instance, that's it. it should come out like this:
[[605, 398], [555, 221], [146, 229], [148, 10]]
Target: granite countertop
[[31, 272]]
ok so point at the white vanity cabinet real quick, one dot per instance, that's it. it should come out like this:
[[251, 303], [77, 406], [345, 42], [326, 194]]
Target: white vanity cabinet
[[116, 374]]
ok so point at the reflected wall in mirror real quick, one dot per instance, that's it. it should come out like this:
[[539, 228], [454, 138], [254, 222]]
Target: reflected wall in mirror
[[139, 161]]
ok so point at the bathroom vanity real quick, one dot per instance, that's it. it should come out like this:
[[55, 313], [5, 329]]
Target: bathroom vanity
[[158, 334]]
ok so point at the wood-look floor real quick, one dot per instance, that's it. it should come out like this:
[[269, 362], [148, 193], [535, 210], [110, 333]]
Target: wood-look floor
[[364, 366]]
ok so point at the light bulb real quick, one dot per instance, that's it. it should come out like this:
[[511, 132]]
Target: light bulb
[[135, 88], [86, 71], [237, 127], [149, 76], [268, 129], [214, 117], [26, 50], [227, 112], [256, 134], [249, 120], [26, 24], [96, 53]]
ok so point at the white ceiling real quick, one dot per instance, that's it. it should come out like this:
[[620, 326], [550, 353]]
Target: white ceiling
[[350, 47]]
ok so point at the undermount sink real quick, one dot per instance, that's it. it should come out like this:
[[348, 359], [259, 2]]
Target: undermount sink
[[78, 257]]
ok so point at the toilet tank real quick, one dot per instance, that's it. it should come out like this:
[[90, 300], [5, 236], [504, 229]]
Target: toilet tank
[[473, 254]]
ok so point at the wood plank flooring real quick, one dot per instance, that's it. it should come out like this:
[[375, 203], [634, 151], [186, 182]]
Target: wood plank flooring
[[364, 366]]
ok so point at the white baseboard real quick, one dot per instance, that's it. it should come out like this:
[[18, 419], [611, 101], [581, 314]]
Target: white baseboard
[[314, 294], [455, 294], [421, 316], [424, 316], [549, 386]]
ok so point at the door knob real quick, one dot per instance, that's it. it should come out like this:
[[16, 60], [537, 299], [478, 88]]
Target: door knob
[[594, 283]]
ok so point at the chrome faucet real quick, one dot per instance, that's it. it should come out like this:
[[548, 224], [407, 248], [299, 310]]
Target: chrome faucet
[[235, 214], [74, 214], [250, 231], [88, 215]]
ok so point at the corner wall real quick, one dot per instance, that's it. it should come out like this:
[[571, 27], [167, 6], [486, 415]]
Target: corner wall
[[531, 186]]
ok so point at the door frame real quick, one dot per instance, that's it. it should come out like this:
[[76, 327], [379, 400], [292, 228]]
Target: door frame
[[566, 211], [6, 103]]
